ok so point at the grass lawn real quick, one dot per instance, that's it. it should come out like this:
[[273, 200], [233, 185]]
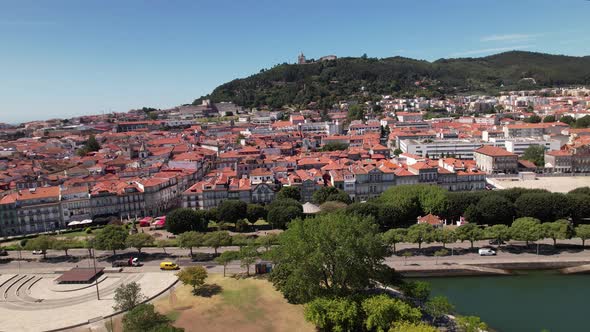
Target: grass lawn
[[240, 306]]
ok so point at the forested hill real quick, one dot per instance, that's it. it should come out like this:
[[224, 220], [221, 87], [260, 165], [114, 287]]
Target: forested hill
[[365, 78]]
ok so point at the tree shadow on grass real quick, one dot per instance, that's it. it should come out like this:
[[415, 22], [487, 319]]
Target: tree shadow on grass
[[207, 290]]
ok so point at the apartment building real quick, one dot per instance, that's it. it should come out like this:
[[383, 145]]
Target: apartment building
[[458, 148], [519, 146], [491, 159], [39, 210]]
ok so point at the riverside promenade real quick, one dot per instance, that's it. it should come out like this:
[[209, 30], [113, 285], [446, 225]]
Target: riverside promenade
[[568, 257]]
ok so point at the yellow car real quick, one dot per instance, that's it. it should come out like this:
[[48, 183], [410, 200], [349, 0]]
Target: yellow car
[[169, 266]]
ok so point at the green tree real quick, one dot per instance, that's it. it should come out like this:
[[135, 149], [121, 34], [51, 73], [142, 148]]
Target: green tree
[[469, 232], [184, 220], [232, 210], [526, 229], [111, 237], [240, 240], [579, 206], [458, 202], [356, 112], [381, 311], [333, 314], [397, 152], [549, 118], [413, 327], [583, 232], [217, 239], [144, 318], [470, 324], [193, 275], [256, 212], [64, 244], [189, 240], [390, 215], [418, 290], [366, 209], [226, 257], [491, 210], [581, 190], [289, 192], [438, 307], [92, 144], [331, 255], [445, 235], [127, 296], [41, 242], [334, 146], [268, 241], [326, 194], [415, 200], [533, 119], [280, 216], [248, 255], [162, 244], [394, 236], [543, 206], [420, 233], [139, 241], [583, 122], [567, 119], [558, 230], [535, 154], [500, 233]]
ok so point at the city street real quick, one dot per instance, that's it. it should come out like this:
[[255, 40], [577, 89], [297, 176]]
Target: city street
[[458, 253]]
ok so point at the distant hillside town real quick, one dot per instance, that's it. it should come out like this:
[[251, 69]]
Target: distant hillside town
[[146, 162]]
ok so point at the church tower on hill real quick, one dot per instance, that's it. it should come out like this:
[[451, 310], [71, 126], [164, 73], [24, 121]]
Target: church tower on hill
[[301, 59]]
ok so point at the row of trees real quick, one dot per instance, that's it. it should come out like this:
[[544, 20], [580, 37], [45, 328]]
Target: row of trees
[[400, 205], [111, 237], [238, 213], [522, 229]]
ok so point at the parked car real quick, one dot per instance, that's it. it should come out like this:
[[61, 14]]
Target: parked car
[[487, 252], [130, 262], [496, 242], [3, 252], [37, 252], [169, 266]]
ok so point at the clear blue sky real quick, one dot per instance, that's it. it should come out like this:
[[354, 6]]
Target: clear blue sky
[[65, 58]]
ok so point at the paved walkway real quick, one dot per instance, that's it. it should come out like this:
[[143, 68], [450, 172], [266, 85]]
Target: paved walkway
[[27, 304]]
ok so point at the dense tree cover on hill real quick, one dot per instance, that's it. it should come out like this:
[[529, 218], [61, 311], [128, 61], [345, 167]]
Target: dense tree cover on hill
[[327, 82]]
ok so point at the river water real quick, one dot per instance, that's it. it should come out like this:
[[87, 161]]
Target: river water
[[531, 301]]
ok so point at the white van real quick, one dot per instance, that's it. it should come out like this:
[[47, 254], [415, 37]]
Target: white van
[[487, 252]]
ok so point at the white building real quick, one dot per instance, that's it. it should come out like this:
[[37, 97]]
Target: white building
[[518, 146], [459, 148]]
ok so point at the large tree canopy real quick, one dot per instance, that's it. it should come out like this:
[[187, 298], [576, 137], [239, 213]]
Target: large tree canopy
[[185, 220], [232, 210], [111, 237], [415, 200], [332, 254]]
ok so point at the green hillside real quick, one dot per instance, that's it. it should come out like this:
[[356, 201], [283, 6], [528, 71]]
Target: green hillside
[[365, 78]]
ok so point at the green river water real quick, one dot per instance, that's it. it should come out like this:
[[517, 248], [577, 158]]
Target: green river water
[[533, 301]]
